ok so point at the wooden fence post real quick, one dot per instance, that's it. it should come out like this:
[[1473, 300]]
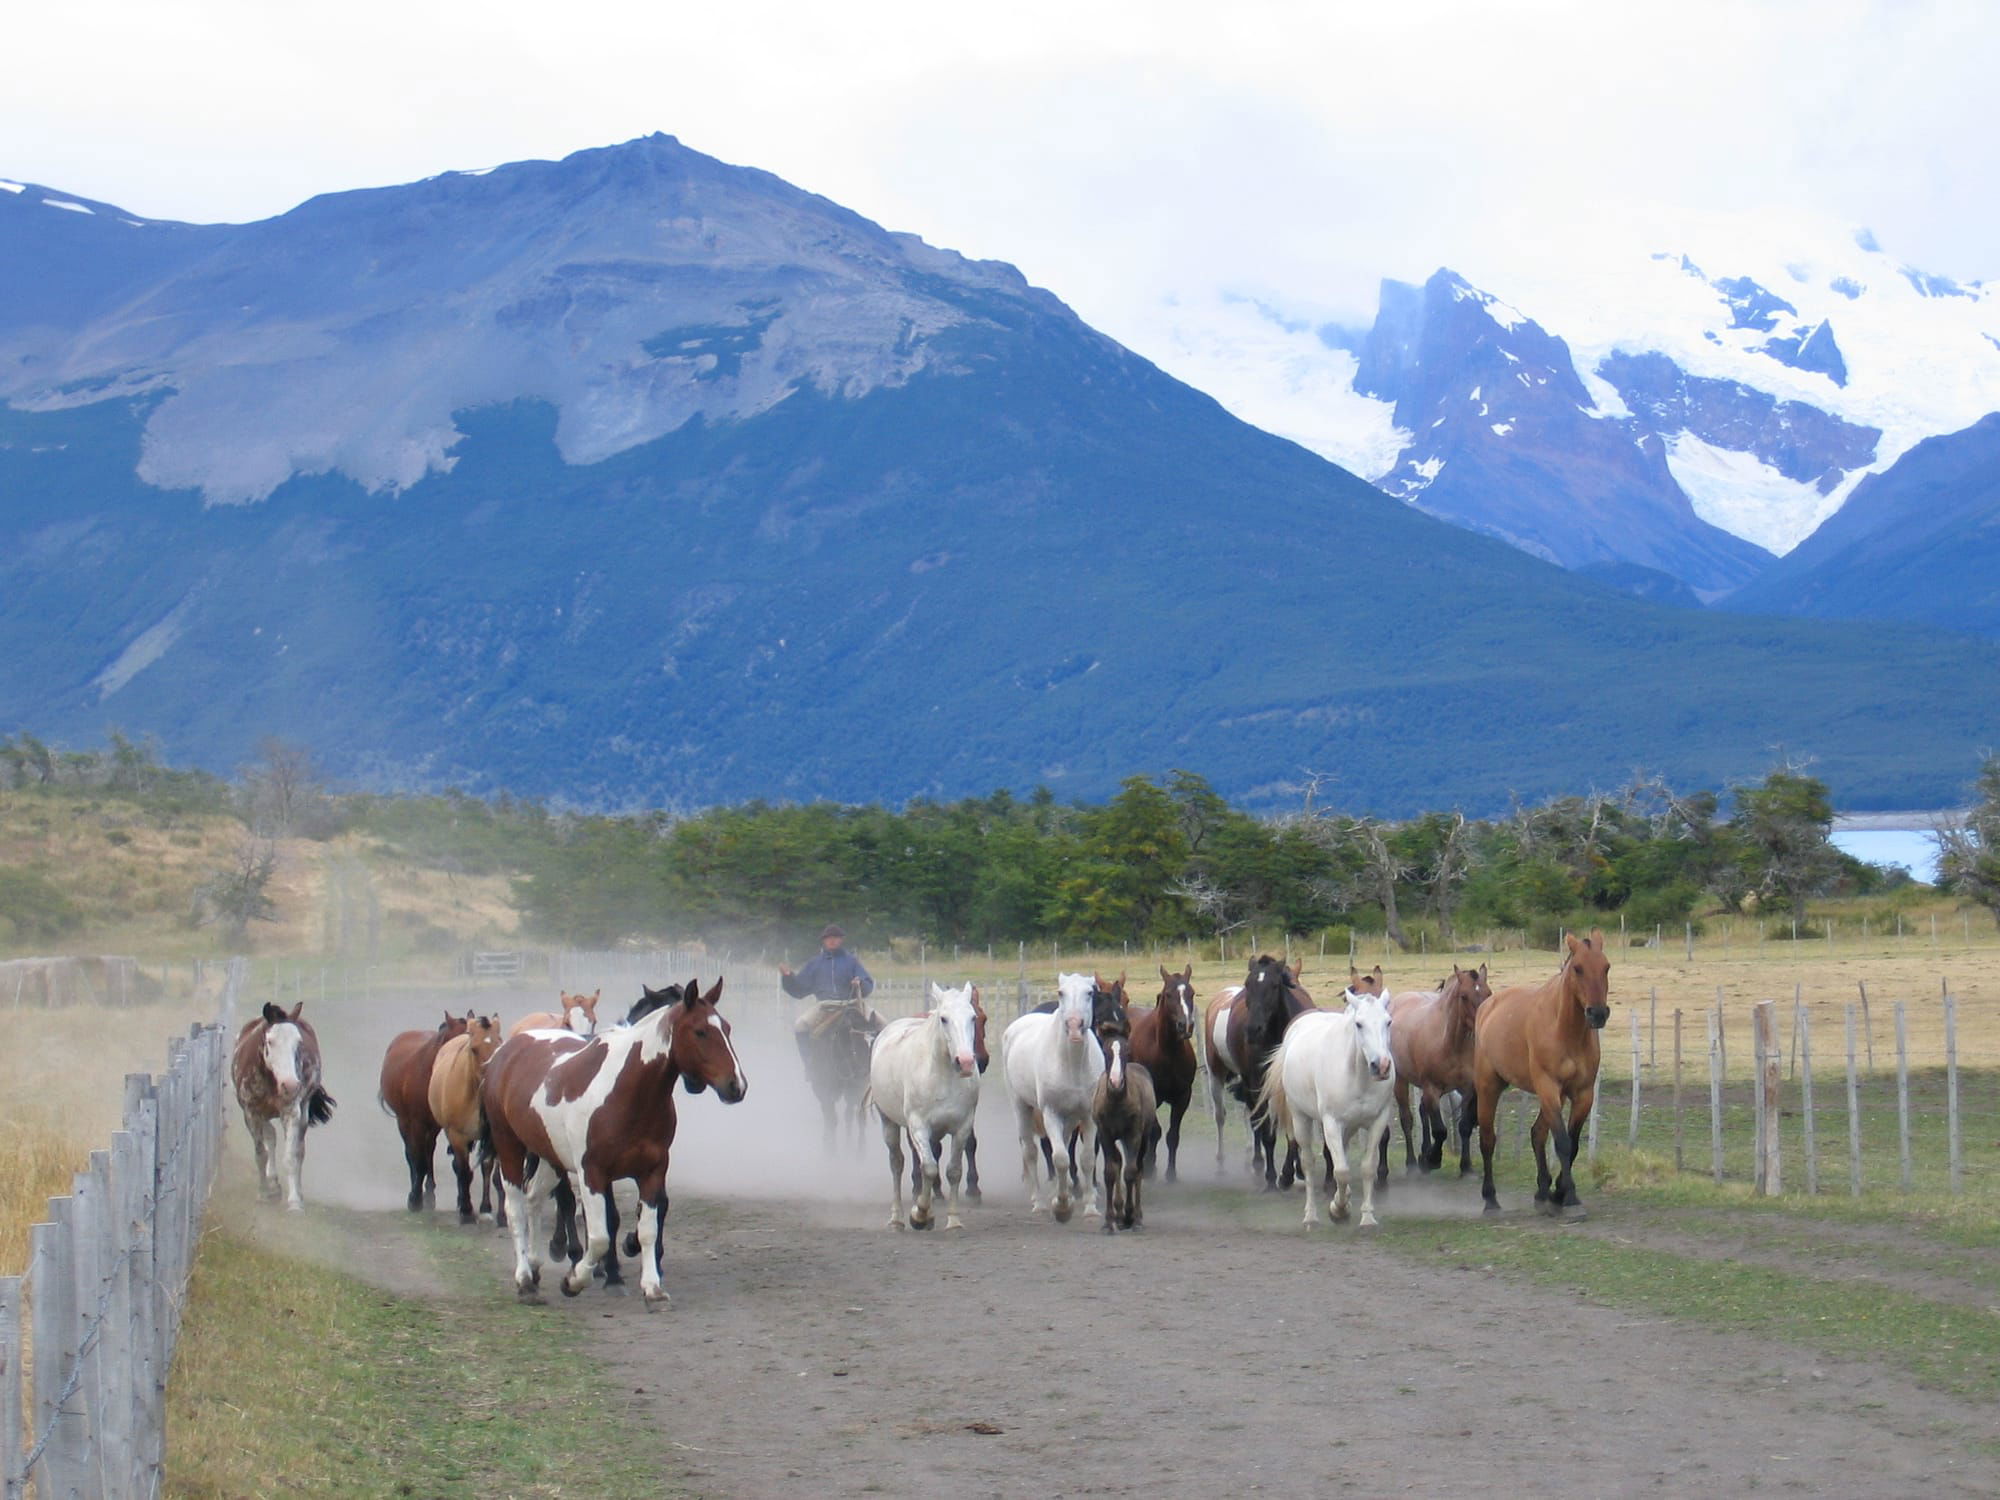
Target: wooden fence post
[[1680, 1161], [11, 1447], [1653, 1029], [1715, 1094], [1770, 1161], [1867, 1031], [1722, 1031], [1903, 1094], [1632, 1130], [1806, 1102], [1951, 1092], [58, 1420], [1853, 1115]]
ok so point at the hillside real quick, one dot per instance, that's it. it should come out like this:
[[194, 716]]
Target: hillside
[[640, 478]]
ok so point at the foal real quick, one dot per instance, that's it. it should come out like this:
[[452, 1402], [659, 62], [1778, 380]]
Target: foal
[[1126, 1112]]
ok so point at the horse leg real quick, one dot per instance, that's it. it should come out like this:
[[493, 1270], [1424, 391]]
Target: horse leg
[[597, 1239], [892, 1136], [562, 1239], [614, 1280], [971, 1151], [260, 1145], [953, 1173], [427, 1137], [1031, 1169], [1174, 1112], [1293, 1170], [1486, 1093], [1307, 1128], [290, 1128], [1468, 1117], [923, 1213], [461, 1168], [652, 1234], [1567, 1141], [523, 1208], [1218, 1104], [1083, 1148], [1336, 1142], [1539, 1134], [1374, 1129], [1411, 1162], [1135, 1210]]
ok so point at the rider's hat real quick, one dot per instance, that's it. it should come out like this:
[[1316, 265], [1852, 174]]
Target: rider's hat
[[832, 931]]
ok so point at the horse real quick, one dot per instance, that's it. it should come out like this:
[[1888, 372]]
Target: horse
[[453, 1098], [1333, 1075], [1543, 1038], [981, 1060], [923, 1084], [1106, 1002], [596, 1110], [1241, 1028], [405, 1092], [578, 1014], [836, 1061], [1431, 1036], [1163, 1044], [1125, 1109], [276, 1070], [1052, 1062]]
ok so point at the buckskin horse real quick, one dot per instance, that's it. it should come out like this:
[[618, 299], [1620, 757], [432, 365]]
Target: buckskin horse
[[1333, 1077], [454, 1104], [1431, 1036], [1543, 1038], [596, 1111], [1162, 1042], [276, 1071], [923, 1082], [405, 1093]]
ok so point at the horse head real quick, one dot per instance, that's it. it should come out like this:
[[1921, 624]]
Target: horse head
[[1114, 1035], [979, 1031], [483, 1038], [1106, 999], [1076, 1005], [1267, 993], [579, 1013], [1176, 1004], [448, 1028], [1370, 983], [1587, 977], [1370, 1014], [280, 1050], [959, 1019], [1464, 993], [651, 1000], [701, 1048]]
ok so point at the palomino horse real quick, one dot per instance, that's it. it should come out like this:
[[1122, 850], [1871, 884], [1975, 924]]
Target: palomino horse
[[596, 1111], [276, 1070], [454, 1104], [836, 1056], [923, 1081], [1125, 1108], [405, 1092], [578, 1014], [1163, 1044], [1543, 1038], [1333, 1077], [1432, 1039], [1052, 1063], [1240, 1029]]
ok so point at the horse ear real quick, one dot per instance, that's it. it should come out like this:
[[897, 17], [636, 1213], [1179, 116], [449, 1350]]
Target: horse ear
[[297, 1011], [272, 1014], [1597, 938], [975, 997], [714, 996], [1575, 946], [1164, 975]]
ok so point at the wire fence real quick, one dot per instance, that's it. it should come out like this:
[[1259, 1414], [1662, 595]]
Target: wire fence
[[87, 1335]]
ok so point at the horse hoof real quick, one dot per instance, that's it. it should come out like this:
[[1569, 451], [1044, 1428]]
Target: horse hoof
[[571, 1289], [1061, 1212], [1172, 1176], [954, 1222], [528, 1296], [1109, 1227], [631, 1246], [617, 1289], [296, 1206], [466, 1218], [1368, 1221], [1573, 1213], [1311, 1225], [917, 1223], [896, 1222], [973, 1195], [1492, 1206], [655, 1300]]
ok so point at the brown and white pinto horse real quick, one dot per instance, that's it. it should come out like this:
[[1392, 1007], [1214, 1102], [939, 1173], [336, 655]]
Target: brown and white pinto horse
[[596, 1111], [405, 1092], [578, 1014], [454, 1104], [1431, 1037], [1241, 1028], [276, 1071], [1543, 1038], [1162, 1042]]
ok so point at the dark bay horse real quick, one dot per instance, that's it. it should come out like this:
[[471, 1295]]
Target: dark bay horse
[[599, 1110], [1543, 1038], [406, 1094], [1162, 1042], [836, 1054], [1431, 1037], [1240, 1031]]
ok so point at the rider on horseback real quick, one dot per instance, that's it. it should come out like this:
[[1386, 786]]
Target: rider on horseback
[[837, 983]]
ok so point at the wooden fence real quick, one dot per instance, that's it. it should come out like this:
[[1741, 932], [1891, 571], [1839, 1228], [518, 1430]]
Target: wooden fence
[[83, 1395]]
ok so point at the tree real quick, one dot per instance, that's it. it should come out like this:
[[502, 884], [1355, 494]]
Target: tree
[[1969, 851], [239, 895], [1786, 823], [284, 789], [1448, 860]]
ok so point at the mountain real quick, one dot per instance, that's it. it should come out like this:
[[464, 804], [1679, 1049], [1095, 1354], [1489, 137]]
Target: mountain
[[1920, 542], [1685, 414], [640, 477]]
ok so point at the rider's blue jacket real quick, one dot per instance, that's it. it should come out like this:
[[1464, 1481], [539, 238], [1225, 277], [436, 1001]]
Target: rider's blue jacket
[[828, 976]]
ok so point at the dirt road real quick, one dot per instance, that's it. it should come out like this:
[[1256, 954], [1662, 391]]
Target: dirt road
[[809, 1349]]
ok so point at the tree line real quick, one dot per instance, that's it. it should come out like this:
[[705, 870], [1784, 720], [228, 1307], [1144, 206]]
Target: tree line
[[1166, 859]]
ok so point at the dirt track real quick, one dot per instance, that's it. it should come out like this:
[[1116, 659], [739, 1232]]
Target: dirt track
[[1220, 1351]]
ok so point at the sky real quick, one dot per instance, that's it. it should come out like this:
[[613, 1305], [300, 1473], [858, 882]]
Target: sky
[[1134, 158]]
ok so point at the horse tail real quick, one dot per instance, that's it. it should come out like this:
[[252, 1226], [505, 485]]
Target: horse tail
[[319, 1106], [1270, 1106], [383, 1103]]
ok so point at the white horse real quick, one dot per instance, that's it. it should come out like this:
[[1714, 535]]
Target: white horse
[[1052, 1062], [923, 1081], [1330, 1078]]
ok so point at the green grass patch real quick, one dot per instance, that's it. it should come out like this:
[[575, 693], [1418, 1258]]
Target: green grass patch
[[293, 1379], [1955, 1348]]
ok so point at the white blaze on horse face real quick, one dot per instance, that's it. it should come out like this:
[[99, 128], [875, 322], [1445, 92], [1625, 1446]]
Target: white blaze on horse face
[[953, 1009], [1117, 1069], [281, 1056], [1371, 1022], [1073, 1005]]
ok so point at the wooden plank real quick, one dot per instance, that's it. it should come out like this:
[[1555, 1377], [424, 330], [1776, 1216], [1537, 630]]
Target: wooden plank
[[1715, 1093], [12, 1485], [1867, 1030], [1806, 1101], [89, 1272], [1632, 1130], [58, 1428], [1680, 1155], [1903, 1094], [1853, 1115], [1957, 1156], [115, 1416]]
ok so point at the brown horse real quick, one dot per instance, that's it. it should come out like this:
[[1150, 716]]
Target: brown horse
[[578, 1014], [454, 1103], [1163, 1044], [1543, 1038], [1431, 1039], [597, 1111], [405, 1092], [276, 1071], [1126, 1111]]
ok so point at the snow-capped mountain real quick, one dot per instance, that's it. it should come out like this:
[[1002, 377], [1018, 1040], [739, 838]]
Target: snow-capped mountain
[[1754, 382]]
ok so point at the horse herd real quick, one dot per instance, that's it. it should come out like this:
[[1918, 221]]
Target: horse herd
[[561, 1108]]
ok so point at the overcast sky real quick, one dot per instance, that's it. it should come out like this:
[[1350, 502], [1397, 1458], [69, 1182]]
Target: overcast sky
[[1120, 154]]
